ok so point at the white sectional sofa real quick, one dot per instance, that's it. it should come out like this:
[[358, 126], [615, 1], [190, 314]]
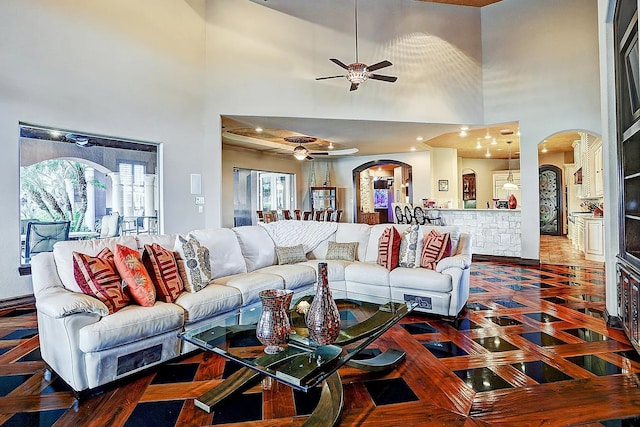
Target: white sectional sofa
[[89, 347]]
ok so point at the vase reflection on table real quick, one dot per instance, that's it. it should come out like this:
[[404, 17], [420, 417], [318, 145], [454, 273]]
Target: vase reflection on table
[[273, 327]]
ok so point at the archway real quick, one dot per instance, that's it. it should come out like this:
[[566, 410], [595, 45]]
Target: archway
[[378, 184], [571, 187]]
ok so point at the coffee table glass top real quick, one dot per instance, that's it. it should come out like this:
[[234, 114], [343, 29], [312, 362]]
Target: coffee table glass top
[[303, 363]]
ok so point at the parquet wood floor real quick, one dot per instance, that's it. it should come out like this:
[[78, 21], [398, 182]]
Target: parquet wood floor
[[531, 349]]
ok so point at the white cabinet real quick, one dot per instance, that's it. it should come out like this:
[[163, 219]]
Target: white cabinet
[[594, 239], [598, 187]]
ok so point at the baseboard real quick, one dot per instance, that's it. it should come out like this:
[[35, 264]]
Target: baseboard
[[509, 259], [614, 322], [17, 302]]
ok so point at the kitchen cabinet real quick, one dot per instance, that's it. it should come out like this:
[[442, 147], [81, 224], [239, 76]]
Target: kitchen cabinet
[[323, 198], [594, 239]]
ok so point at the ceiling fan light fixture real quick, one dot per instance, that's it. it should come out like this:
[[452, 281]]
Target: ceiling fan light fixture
[[300, 153], [357, 73]]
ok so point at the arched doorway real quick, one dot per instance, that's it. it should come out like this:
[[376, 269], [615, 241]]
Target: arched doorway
[[378, 184], [571, 187]]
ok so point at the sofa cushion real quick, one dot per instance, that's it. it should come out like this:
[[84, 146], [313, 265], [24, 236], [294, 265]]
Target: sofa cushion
[[349, 232], [225, 254], [257, 247], [389, 248], [290, 254], [250, 284], [294, 275], [409, 247], [367, 272], [193, 262], [208, 302], [139, 284], [335, 268], [63, 255], [162, 267], [342, 251], [165, 240], [434, 247], [132, 323], [420, 279], [97, 276]]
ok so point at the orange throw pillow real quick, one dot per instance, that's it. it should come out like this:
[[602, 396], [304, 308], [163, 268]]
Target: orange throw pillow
[[132, 271], [162, 267], [389, 248], [435, 246], [97, 276]]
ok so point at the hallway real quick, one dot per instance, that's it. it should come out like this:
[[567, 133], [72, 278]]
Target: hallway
[[558, 250]]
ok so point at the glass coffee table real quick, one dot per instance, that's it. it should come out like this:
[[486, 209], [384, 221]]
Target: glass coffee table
[[302, 364]]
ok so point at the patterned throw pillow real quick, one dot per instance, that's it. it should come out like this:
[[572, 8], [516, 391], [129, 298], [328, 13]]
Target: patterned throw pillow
[[290, 254], [132, 271], [389, 248], [409, 247], [193, 261], [342, 251], [435, 247], [97, 276], [163, 269]]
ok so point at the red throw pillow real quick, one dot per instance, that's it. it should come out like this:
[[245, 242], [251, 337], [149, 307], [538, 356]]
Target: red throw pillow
[[389, 248], [132, 271], [435, 246], [163, 269], [97, 276]]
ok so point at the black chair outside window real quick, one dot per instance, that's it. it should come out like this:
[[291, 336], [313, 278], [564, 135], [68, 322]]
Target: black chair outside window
[[41, 236]]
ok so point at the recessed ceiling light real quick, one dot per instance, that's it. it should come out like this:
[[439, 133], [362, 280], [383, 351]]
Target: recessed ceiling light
[[463, 133], [412, 149], [488, 153], [464, 127], [258, 130], [487, 135], [478, 145], [419, 138], [494, 142], [544, 149]]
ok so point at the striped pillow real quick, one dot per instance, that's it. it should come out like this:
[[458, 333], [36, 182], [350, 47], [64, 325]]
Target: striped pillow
[[163, 269], [389, 248], [97, 276], [435, 246]]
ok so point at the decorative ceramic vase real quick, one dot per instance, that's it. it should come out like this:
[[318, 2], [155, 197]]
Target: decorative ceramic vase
[[273, 326], [323, 317]]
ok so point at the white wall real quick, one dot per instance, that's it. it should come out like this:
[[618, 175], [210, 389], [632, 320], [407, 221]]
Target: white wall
[[131, 69], [540, 63], [444, 166]]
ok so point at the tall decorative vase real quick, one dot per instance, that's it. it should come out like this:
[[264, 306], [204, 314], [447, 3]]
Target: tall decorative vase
[[273, 326], [323, 317]]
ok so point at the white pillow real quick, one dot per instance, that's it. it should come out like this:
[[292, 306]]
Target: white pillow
[[193, 262]]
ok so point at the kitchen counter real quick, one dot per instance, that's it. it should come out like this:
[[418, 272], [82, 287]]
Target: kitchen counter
[[495, 231]]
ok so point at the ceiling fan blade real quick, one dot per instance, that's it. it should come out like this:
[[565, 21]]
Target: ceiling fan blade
[[308, 158], [354, 86], [339, 63], [390, 79], [381, 64], [330, 77]]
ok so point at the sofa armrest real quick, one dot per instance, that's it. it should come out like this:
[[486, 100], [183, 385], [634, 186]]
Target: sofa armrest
[[457, 261], [57, 302]]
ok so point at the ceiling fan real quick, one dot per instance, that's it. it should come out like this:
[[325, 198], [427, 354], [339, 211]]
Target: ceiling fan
[[358, 72], [300, 152]]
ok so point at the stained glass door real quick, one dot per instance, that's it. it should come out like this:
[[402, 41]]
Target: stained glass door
[[550, 200]]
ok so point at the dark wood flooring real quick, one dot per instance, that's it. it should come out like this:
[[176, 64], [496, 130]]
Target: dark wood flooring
[[531, 349]]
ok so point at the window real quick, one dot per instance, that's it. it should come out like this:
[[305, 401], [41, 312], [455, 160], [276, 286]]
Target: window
[[261, 190], [81, 178]]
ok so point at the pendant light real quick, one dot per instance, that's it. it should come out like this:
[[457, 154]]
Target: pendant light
[[509, 185]]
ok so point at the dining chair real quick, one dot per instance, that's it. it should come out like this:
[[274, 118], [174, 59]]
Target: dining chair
[[110, 225], [328, 215], [398, 215], [338, 215], [419, 216], [319, 215], [269, 217], [41, 236], [307, 215], [260, 216], [286, 213], [298, 214]]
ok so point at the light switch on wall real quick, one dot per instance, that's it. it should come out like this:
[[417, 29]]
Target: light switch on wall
[[200, 200]]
